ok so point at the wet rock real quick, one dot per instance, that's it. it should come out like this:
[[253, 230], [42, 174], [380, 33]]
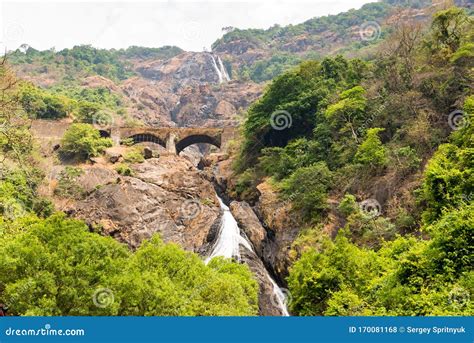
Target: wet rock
[[267, 302], [249, 223]]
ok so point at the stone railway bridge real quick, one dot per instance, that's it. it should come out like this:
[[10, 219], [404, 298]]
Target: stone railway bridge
[[174, 139]]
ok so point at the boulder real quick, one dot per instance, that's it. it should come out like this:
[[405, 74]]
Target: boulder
[[249, 223]]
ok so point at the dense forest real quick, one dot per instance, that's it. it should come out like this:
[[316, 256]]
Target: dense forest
[[329, 133]]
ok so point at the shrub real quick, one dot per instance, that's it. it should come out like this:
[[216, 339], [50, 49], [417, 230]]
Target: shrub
[[371, 151], [57, 267], [307, 188], [134, 155], [68, 186], [124, 169], [83, 141]]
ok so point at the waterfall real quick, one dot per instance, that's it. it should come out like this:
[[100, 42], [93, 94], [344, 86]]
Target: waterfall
[[228, 245], [223, 70], [220, 69], [216, 68], [229, 238]]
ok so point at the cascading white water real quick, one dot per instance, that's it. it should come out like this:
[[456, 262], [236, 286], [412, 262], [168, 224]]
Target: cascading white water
[[223, 70], [228, 245], [216, 68], [229, 238], [220, 69]]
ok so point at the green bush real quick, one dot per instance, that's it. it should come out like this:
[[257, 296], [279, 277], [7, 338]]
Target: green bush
[[371, 151], [124, 169], [40, 104], [57, 267], [407, 276], [134, 155], [67, 185], [83, 141], [307, 188]]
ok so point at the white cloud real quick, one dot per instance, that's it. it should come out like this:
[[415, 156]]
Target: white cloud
[[190, 25]]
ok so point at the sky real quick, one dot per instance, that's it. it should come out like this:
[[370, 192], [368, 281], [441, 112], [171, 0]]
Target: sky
[[191, 25]]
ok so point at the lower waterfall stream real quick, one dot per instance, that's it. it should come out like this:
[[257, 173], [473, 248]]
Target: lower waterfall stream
[[228, 244]]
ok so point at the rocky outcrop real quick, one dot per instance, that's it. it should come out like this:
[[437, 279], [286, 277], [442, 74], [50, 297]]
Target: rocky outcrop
[[267, 302], [250, 224], [186, 91], [166, 196], [282, 226]]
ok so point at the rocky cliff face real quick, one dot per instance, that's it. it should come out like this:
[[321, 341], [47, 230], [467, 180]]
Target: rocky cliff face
[[187, 90], [168, 196], [190, 89]]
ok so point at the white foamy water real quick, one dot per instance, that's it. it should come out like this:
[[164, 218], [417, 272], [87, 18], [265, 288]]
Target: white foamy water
[[229, 238], [220, 69], [228, 244], [223, 70]]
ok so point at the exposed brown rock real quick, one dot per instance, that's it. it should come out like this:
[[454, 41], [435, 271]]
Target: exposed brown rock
[[249, 223], [166, 196]]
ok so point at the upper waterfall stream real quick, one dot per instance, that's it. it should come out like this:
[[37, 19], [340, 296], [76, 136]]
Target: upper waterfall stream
[[228, 244]]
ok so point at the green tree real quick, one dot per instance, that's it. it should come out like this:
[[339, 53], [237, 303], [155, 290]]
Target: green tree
[[349, 110], [83, 141], [307, 188], [56, 266], [371, 151]]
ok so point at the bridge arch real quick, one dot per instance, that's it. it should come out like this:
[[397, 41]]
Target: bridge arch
[[147, 137], [195, 139]]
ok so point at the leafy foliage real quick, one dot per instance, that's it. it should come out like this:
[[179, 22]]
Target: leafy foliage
[[55, 266], [83, 141]]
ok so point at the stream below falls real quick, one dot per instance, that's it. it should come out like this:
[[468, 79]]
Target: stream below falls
[[228, 244]]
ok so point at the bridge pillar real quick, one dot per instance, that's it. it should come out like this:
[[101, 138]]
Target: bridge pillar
[[171, 143]]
